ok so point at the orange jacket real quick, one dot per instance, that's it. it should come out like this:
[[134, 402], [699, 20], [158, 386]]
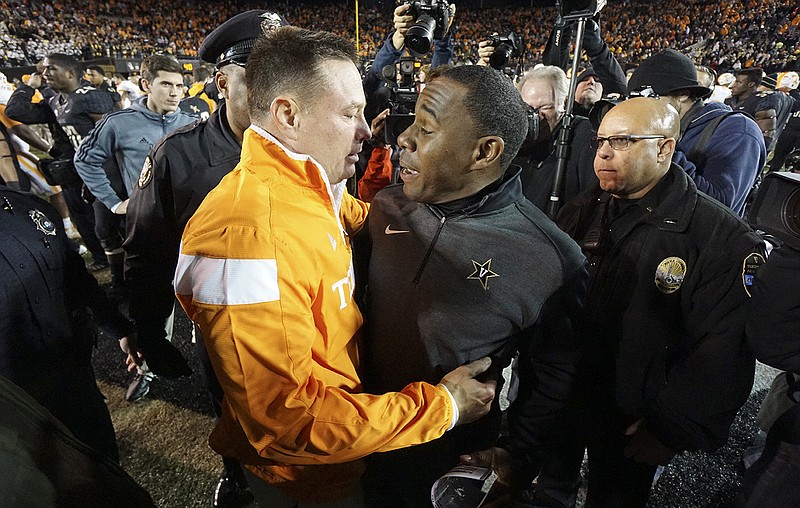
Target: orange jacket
[[265, 270]]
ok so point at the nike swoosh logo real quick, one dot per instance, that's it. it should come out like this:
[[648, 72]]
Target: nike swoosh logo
[[390, 231]]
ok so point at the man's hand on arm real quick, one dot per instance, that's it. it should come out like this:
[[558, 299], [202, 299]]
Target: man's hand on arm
[[473, 398]]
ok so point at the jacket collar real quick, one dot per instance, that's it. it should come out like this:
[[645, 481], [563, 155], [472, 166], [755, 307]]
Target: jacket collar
[[226, 146], [671, 212], [140, 105], [300, 169], [494, 197], [678, 200]]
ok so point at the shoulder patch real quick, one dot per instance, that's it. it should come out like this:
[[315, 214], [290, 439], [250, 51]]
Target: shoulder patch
[[147, 173], [750, 266], [670, 274]]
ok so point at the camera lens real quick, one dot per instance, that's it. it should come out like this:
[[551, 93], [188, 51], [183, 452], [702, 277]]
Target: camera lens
[[791, 214], [419, 37], [499, 58]]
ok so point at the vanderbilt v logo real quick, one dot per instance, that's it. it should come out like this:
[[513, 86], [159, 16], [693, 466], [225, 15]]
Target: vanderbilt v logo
[[483, 272]]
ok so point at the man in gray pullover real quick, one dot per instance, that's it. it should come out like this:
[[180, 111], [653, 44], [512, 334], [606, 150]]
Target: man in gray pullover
[[112, 158]]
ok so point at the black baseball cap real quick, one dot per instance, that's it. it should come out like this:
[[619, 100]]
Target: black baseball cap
[[666, 72], [232, 41]]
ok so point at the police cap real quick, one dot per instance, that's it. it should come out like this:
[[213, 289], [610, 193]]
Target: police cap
[[233, 40]]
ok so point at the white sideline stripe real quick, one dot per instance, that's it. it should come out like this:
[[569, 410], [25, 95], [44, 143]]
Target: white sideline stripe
[[227, 281]]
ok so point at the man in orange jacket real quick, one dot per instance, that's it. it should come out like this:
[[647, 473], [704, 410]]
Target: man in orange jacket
[[265, 270]]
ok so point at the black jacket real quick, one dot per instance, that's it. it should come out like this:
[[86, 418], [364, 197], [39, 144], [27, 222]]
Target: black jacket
[[773, 324], [539, 167], [448, 286], [181, 169], [668, 285]]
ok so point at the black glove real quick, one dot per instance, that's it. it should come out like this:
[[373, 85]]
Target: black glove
[[593, 43]]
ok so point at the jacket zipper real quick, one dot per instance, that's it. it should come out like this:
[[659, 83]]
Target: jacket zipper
[[430, 250]]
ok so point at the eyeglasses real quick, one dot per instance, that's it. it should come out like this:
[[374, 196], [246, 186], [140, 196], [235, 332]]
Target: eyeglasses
[[621, 142]]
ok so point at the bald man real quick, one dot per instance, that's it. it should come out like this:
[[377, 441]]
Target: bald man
[[670, 274]]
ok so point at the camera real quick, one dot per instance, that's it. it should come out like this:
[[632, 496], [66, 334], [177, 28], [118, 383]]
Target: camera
[[531, 142], [402, 98], [573, 10], [505, 48], [776, 208], [432, 22]]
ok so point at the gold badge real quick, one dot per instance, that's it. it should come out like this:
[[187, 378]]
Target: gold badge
[[271, 21], [146, 174], [750, 266], [670, 274]]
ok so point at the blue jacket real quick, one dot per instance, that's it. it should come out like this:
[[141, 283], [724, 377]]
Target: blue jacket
[[127, 136], [733, 157]]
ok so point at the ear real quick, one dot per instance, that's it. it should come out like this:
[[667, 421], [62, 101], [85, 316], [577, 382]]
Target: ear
[[221, 80], [144, 85], [487, 153], [665, 149], [286, 114]]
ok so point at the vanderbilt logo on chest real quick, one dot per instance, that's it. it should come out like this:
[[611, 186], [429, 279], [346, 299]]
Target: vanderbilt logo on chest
[[483, 272]]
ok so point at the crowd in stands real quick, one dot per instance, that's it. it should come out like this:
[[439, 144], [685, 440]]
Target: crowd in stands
[[725, 35]]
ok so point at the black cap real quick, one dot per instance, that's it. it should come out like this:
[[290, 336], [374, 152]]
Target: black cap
[[234, 39], [588, 71], [665, 72]]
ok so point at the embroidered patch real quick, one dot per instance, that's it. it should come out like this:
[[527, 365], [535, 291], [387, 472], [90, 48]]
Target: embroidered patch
[[670, 274], [43, 224], [147, 173], [483, 272], [749, 268]]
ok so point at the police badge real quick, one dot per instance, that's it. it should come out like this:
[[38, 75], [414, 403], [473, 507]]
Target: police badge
[[670, 274], [146, 174], [43, 224], [271, 22]]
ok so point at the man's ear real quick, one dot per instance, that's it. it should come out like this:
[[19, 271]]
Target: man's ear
[[144, 85], [285, 113], [488, 152], [221, 80], [665, 149]]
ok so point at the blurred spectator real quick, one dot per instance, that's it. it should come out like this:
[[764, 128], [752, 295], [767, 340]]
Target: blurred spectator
[[732, 35], [724, 152]]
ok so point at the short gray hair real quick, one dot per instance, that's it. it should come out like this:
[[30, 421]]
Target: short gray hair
[[555, 77]]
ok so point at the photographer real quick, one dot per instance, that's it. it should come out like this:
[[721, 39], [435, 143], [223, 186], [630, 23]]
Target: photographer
[[394, 48], [545, 89]]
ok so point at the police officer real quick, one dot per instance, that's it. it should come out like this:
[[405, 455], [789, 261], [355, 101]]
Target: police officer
[[46, 332], [181, 169], [670, 275]]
